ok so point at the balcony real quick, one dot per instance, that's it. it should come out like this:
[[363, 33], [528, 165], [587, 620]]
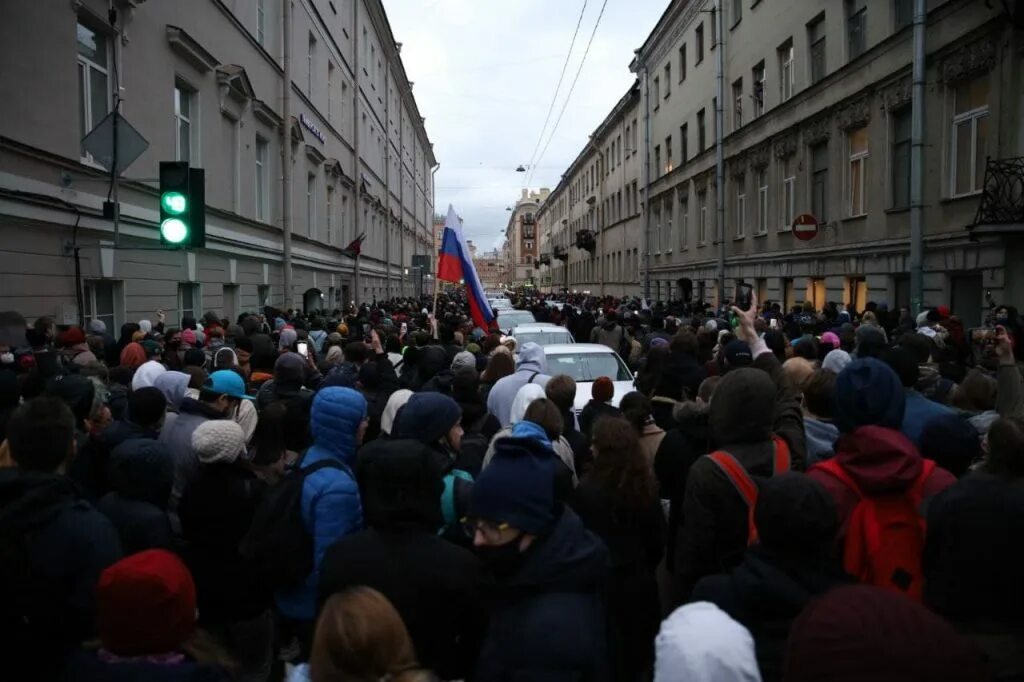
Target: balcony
[[561, 253], [1002, 199], [585, 240], [529, 219], [529, 232], [545, 259]]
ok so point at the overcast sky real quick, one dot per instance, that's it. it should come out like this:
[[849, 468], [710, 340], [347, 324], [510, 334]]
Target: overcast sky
[[485, 72]]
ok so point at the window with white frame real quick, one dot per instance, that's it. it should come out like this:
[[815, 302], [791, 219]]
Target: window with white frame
[[184, 133], [787, 71], [969, 135], [100, 297], [762, 201], [190, 301], [737, 98], [787, 200], [684, 220], [702, 218], [310, 65], [311, 205], [93, 89], [856, 195], [758, 78], [740, 216], [262, 179], [261, 22]]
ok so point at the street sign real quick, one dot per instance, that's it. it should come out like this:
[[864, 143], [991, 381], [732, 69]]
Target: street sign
[[805, 226], [100, 143]]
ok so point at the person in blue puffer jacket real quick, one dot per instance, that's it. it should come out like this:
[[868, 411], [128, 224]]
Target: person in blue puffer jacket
[[331, 508]]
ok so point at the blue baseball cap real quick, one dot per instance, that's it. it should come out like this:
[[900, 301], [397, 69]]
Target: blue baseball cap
[[227, 382]]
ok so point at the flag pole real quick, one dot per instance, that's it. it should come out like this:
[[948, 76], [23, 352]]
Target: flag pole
[[433, 324]]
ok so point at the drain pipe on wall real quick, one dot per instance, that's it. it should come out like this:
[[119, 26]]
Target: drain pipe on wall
[[286, 151], [917, 161], [720, 153]]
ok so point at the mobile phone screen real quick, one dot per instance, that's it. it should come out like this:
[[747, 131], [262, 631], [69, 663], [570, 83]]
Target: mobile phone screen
[[303, 348]]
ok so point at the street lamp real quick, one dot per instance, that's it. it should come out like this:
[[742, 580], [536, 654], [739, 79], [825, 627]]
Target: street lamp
[[522, 169]]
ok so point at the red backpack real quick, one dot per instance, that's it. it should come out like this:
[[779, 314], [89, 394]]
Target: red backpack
[[745, 485], [886, 533]]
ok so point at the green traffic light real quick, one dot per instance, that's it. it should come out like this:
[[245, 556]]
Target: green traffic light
[[174, 202], [173, 230]]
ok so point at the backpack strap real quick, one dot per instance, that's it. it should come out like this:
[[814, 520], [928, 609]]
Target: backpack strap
[[744, 485], [532, 377], [916, 491], [782, 458], [833, 467]]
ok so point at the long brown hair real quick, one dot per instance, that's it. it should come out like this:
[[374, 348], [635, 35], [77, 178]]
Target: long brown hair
[[620, 464], [498, 366], [360, 636]]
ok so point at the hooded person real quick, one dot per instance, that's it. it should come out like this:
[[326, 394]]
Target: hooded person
[[819, 395], [860, 632], [757, 424], [918, 410], [288, 386], [174, 386], [793, 563], [395, 403], [147, 374], [701, 643], [75, 348], [430, 361], [433, 583], [140, 474], [547, 618], [531, 368]]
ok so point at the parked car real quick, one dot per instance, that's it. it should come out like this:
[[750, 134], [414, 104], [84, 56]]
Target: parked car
[[510, 319], [541, 333], [585, 362]]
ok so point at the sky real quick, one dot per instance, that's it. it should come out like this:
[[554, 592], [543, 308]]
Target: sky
[[484, 74]]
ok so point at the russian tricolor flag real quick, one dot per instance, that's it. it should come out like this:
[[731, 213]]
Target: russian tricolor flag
[[455, 265]]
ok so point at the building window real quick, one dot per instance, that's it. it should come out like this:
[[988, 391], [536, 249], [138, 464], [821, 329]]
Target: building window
[[758, 78], [668, 79], [330, 91], [310, 65], [856, 27], [741, 207], [93, 91], [657, 160], [816, 40], [670, 235], [701, 131], [658, 236], [737, 98], [970, 135], [262, 177], [684, 221], [99, 296], [737, 11], [684, 141], [856, 199], [311, 205], [261, 21], [788, 198], [189, 300], [901, 157], [657, 91], [330, 214], [702, 218], [819, 181], [668, 154], [682, 62], [787, 69], [183, 133], [903, 13], [698, 40], [762, 201]]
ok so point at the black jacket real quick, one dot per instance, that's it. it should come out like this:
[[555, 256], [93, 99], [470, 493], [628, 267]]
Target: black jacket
[[547, 618], [216, 511], [680, 448], [683, 372], [592, 411], [90, 467], [141, 472], [636, 543]]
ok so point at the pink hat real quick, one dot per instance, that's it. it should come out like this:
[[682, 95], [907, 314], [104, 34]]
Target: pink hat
[[189, 336], [831, 339]]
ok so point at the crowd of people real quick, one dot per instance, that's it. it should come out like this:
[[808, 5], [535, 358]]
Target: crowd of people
[[385, 493]]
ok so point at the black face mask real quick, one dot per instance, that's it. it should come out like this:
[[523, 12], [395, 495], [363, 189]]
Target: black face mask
[[501, 560], [1002, 319]]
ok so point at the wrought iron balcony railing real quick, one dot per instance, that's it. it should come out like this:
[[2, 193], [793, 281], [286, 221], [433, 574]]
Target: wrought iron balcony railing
[[1002, 198]]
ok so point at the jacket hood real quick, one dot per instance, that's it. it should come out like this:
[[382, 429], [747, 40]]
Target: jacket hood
[[334, 419], [569, 558], [31, 499], [743, 408], [401, 486], [142, 469], [173, 385], [526, 395], [773, 586], [878, 459], [147, 374], [531, 358], [699, 641], [821, 439], [397, 400], [430, 360], [426, 417], [690, 412]]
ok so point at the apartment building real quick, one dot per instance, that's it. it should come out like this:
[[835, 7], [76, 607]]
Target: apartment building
[[816, 119], [490, 267], [302, 155], [523, 238], [591, 223]]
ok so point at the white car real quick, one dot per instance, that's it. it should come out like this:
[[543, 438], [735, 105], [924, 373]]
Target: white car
[[500, 304], [510, 319], [542, 333], [585, 362]]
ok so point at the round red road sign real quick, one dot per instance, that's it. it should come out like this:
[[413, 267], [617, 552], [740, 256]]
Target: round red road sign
[[805, 226]]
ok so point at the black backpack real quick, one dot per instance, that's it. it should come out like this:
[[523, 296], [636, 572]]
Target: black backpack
[[277, 542]]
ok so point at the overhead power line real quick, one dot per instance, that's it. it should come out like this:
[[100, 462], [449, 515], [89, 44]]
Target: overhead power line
[[571, 89], [554, 96]]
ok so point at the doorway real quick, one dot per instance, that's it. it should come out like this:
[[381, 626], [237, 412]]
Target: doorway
[[965, 298], [312, 300]]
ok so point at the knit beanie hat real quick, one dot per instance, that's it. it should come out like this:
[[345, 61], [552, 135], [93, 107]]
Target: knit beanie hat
[[868, 392], [831, 339], [145, 604], [97, 327], [218, 440], [73, 336], [188, 336], [288, 337], [195, 357], [602, 390], [836, 361], [517, 487], [76, 391], [463, 359]]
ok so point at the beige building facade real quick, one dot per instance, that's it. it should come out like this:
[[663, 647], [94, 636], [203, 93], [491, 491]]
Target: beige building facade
[[522, 238], [208, 82], [816, 120]]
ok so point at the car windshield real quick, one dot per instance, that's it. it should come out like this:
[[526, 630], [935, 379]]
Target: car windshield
[[589, 366], [513, 318], [544, 338]]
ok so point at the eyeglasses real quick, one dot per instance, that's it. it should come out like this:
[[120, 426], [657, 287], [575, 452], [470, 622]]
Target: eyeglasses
[[491, 531]]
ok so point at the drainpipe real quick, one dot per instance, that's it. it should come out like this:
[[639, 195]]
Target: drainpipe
[[647, 185], [917, 161], [286, 151], [720, 152], [357, 165]]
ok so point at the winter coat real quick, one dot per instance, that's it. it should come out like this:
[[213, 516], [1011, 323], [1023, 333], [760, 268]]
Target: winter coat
[[547, 618], [650, 441], [581, 453], [60, 545], [88, 666], [298, 401], [715, 517], [609, 334], [683, 372], [821, 437], [593, 410], [679, 449], [918, 412], [429, 361], [636, 543], [176, 434], [531, 368], [90, 467], [765, 593], [141, 473], [330, 497], [878, 460]]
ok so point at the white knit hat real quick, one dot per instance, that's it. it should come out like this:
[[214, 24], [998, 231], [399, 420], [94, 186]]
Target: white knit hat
[[218, 440], [700, 643]]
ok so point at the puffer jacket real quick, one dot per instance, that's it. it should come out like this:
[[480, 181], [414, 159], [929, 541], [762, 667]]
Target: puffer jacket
[[331, 507], [531, 368]]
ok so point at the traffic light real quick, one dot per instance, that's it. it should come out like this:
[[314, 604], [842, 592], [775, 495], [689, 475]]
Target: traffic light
[[182, 205]]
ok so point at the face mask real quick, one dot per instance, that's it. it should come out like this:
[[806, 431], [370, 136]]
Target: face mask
[[1002, 319], [502, 560], [7, 358]]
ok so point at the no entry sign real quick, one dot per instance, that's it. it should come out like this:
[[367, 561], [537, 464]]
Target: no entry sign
[[805, 226]]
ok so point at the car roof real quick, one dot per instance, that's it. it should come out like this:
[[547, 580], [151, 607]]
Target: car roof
[[539, 327], [574, 348]]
